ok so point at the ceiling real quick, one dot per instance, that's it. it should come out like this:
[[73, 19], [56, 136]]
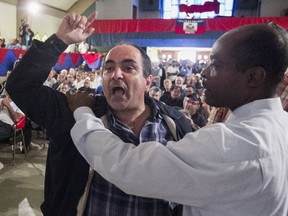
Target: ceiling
[[58, 4], [62, 5]]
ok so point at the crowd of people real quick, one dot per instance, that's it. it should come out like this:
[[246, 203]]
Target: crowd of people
[[74, 80], [132, 150]]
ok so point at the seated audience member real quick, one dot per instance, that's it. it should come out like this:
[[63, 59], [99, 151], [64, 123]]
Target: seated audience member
[[188, 116], [95, 79], [2, 42], [192, 103], [72, 71], [189, 89], [64, 87], [167, 85], [86, 87], [60, 79], [50, 79], [71, 83], [14, 44], [79, 82], [179, 81], [156, 74], [10, 114], [238, 167], [64, 73], [190, 80], [155, 92], [173, 99]]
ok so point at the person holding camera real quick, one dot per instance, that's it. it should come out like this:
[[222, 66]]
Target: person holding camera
[[26, 34]]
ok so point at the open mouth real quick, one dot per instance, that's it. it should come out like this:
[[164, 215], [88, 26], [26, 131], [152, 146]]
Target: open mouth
[[118, 91]]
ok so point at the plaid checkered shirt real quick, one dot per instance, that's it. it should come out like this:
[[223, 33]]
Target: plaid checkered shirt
[[106, 199]]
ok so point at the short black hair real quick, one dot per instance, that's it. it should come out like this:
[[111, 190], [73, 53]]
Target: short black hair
[[194, 96], [266, 46], [146, 62]]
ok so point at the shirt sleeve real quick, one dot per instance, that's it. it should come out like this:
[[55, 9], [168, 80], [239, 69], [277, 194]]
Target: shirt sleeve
[[190, 171]]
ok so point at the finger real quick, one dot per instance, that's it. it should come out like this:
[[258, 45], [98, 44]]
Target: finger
[[71, 17], [76, 21], [91, 18], [82, 23]]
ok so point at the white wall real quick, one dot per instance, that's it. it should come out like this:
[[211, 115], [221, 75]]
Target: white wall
[[43, 24], [8, 21], [111, 9], [149, 14], [273, 7], [40, 23]]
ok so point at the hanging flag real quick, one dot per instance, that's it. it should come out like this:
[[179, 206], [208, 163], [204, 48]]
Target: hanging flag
[[190, 26], [93, 60]]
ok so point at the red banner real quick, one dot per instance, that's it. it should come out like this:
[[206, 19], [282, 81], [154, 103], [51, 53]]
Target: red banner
[[168, 25]]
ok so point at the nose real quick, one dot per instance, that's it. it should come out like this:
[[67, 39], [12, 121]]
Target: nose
[[117, 74]]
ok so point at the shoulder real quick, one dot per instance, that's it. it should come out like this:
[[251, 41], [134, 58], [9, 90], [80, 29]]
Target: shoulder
[[182, 124]]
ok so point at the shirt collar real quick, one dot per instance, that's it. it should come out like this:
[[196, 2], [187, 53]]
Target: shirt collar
[[259, 106], [155, 111]]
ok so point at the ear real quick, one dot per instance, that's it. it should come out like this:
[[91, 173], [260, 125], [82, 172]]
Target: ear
[[148, 81], [255, 76]]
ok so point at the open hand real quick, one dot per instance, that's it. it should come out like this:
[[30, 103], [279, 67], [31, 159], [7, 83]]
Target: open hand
[[75, 28]]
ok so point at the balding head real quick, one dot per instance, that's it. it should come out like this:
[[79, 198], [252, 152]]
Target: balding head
[[259, 45]]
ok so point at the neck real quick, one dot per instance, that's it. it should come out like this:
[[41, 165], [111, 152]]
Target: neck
[[135, 120]]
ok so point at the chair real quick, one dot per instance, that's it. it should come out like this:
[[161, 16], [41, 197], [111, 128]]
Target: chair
[[18, 132]]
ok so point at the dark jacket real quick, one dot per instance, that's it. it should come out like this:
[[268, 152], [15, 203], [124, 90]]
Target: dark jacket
[[66, 170], [23, 37]]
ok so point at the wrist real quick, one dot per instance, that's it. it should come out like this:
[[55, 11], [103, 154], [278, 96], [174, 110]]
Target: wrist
[[60, 37]]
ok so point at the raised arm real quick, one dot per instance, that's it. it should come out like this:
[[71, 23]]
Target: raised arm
[[25, 84]]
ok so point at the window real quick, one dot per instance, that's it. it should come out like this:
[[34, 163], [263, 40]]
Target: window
[[171, 9]]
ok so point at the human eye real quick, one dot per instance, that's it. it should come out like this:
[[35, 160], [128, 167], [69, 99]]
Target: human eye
[[128, 68], [108, 68]]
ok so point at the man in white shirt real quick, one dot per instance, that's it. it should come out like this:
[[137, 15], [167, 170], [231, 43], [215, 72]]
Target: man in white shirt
[[83, 47], [9, 114], [238, 167], [172, 71]]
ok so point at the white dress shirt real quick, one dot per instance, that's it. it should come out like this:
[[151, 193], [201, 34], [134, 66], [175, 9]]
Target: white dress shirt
[[239, 167], [4, 113]]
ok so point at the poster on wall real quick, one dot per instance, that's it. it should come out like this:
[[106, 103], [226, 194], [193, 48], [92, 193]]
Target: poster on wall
[[184, 26]]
